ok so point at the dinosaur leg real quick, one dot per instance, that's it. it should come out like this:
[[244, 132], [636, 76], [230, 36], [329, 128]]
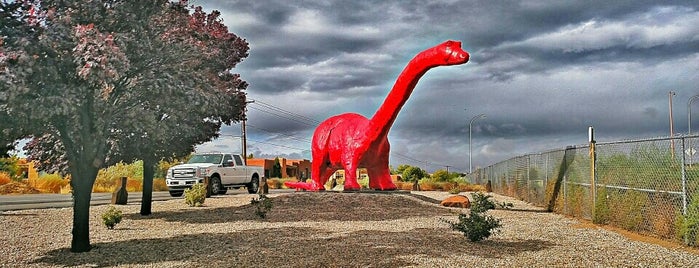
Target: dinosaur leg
[[351, 177], [380, 178]]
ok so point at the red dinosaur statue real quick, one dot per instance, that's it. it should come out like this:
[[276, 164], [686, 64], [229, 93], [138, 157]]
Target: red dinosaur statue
[[349, 141]]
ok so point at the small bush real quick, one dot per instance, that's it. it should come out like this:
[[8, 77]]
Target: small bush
[[481, 202], [195, 196], [602, 211], [263, 204], [275, 183], [49, 183], [688, 226], [402, 185], [455, 190], [467, 187], [111, 217], [475, 226], [427, 185], [506, 205], [132, 185], [159, 185], [4, 178]]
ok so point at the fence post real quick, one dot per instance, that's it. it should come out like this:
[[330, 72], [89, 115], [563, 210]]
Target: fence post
[[684, 182], [529, 162], [593, 159]]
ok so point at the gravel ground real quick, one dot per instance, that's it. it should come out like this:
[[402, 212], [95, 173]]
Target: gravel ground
[[323, 230]]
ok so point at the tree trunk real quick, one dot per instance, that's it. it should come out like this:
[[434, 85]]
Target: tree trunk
[[82, 193], [148, 173]]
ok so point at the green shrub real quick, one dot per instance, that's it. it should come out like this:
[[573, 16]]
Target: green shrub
[[506, 205], [10, 165], [111, 217], [476, 226], [602, 212], [688, 225], [481, 202], [195, 196], [263, 204], [455, 190]]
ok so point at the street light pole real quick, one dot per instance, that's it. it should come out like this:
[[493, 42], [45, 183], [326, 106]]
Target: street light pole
[[689, 125], [470, 125]]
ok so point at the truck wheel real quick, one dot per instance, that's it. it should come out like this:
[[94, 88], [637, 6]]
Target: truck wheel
[[215, 185], [176, 194], [253, 185]]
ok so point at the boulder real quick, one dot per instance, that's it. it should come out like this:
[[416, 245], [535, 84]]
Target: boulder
[[457, 201]]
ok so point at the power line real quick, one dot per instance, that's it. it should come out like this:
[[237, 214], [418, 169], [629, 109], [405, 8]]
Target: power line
[[278, 145], [279, 133], [279, 112], [282, 116], [405, 157]]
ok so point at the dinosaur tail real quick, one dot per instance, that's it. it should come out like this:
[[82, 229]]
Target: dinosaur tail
[[299, 185]]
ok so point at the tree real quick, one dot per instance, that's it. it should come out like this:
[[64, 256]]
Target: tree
[[108, 79], [411, 173], [441, 175], [277, 168], [400, 169]]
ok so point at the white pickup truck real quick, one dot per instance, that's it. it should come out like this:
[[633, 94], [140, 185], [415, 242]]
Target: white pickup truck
[[224, 171]]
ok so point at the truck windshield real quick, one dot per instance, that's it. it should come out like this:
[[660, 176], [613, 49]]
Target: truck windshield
[[205, 158]]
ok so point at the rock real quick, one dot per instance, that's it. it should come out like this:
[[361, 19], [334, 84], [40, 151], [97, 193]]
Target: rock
[[457, 201]]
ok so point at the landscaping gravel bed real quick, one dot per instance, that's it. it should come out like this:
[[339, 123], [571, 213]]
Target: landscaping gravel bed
[[328, 229]]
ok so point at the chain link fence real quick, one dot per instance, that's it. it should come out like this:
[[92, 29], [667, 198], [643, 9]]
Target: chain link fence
[[645, 186]]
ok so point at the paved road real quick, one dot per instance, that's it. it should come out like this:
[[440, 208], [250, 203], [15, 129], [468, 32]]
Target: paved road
[[38, 201], [32, 201]]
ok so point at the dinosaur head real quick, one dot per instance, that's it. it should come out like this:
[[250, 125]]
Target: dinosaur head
[[452, 54]]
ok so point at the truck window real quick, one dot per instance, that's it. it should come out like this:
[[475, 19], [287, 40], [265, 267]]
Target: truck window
[[238, 160], [225, 160]]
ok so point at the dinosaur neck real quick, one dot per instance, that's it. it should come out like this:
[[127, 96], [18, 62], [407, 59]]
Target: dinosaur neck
[[387, 113]]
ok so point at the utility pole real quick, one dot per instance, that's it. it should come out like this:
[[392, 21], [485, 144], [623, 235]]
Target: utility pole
[[672, 141], [243, 133]]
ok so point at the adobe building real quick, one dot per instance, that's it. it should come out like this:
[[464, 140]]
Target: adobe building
[[298, 168]]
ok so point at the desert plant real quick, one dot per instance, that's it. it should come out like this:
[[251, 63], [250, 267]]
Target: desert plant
[[50, 183], [481, 202], [455, 190], [475, 226], [602, 211], [262, 205], [506, 205], [275, 183], [195, 196], [688, 225], [4, 178], [111, 217], [159, 185]]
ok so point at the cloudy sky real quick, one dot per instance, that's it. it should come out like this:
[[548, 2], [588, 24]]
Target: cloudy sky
[[540, 71]]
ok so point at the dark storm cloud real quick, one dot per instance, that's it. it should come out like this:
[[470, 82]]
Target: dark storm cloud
[[541, 71]]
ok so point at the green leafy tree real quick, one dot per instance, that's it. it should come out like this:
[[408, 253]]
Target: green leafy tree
[[109, 78], [399, 170], [412, 173], [441, 175]]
